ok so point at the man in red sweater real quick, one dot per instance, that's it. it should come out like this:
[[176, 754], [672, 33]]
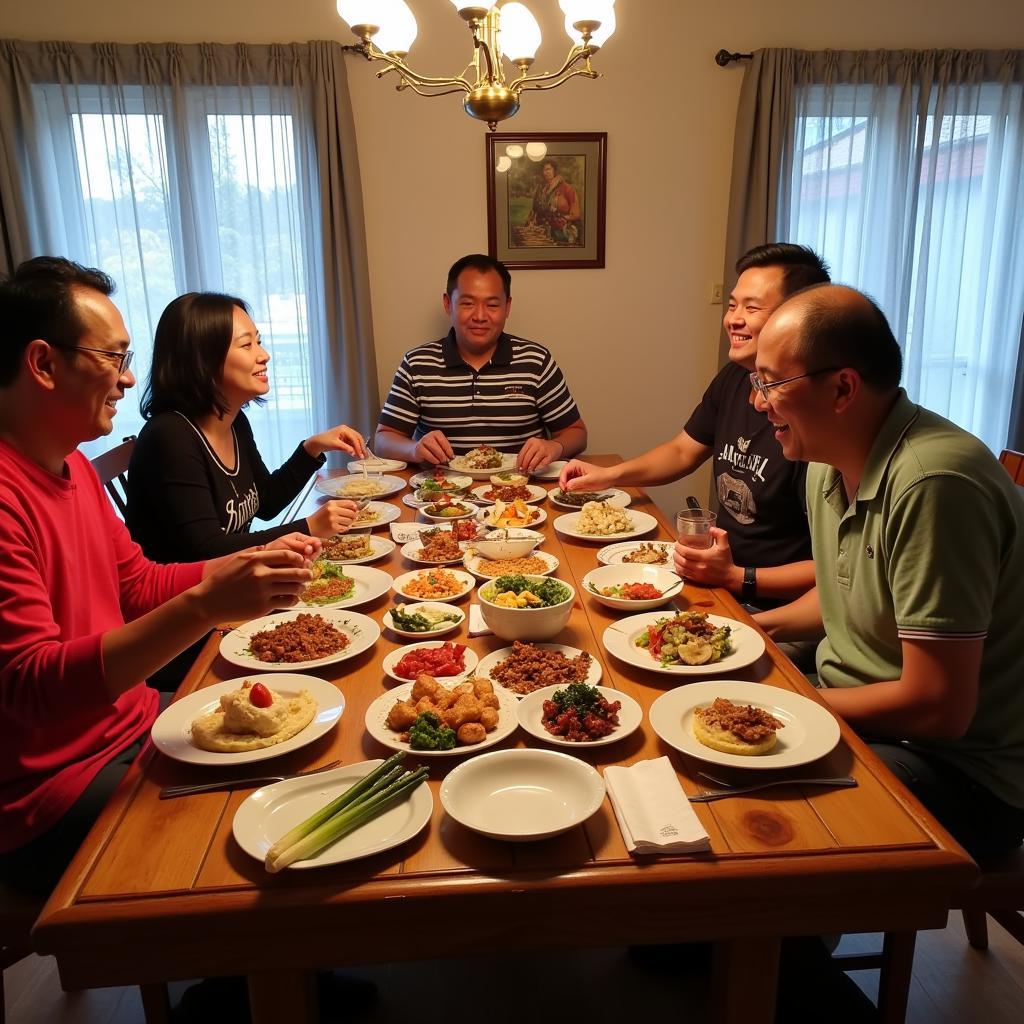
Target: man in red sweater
[[84, 617]]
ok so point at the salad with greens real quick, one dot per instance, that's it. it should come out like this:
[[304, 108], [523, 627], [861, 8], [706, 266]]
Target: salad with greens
[[425, 620], [545, 592]]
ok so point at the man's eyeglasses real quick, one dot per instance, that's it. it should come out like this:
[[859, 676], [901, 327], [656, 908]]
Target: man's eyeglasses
[[123, 359], [762, 387]]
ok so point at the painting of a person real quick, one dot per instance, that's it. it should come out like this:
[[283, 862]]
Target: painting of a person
[[556, 206]]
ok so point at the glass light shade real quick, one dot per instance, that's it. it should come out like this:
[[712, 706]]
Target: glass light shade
[[398, 30], [515, 151], [585, 10], [360, 12], [503, 164], [461, 5], [520, 33], [536, 151], [600, 36]]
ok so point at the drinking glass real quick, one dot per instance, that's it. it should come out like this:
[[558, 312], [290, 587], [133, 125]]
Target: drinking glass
[[693, 527]]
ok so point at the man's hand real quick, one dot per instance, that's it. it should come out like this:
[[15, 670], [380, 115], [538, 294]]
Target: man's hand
[[538, 452], [333, 517], [337, 439], [251, 584], [712, 566], [303, 544], [434, 448], [577, 475]]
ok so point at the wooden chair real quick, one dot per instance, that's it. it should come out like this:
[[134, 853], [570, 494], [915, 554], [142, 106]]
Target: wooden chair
[[112, 469], [1013, 462]]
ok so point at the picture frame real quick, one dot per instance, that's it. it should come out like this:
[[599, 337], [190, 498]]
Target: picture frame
[[546, 197]]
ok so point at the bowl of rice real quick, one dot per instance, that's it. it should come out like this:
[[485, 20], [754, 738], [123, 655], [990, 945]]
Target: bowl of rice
[[526, 607]]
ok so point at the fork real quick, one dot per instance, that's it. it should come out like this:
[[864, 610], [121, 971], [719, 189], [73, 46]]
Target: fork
[[720, 794], [256, 780]]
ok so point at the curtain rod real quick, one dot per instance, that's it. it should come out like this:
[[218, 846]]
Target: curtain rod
[[724, 58]]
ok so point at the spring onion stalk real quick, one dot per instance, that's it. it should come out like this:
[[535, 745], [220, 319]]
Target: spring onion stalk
[[389, 768], [358, 812]]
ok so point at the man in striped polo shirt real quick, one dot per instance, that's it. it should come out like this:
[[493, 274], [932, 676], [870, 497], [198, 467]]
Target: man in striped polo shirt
[[479, 385]]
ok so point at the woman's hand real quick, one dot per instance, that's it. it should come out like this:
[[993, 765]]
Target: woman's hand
[[337, 439], [308, 547], [332, 517]]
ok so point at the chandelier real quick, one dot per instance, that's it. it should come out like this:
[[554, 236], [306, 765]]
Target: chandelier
[[387, 28]]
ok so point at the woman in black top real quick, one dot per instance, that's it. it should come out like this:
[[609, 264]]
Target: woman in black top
[[196, 480]]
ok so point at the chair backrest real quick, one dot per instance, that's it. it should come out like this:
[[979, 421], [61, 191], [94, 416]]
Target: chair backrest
[[112, 469], [1013, 462]]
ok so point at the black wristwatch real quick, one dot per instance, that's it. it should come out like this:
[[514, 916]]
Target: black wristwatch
[[748, 592]]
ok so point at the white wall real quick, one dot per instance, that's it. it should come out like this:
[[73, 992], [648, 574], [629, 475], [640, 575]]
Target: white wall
[[638, 340]]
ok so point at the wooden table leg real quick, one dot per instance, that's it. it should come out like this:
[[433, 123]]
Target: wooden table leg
[[895, 975], [744, 981], [277, 996], [156, 1003]]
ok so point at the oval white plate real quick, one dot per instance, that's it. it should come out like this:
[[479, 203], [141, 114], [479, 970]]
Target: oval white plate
[[380, 547], [613, 553], [411, 501], [418, 606], [394, 657], [811, 731], [361, 631], [172, 731], [370, 584], [271, 812], [460, 479], [538, 516], [537, 494], [522, 794], [491, 660], [552, 471], [335, 486], [531, 711], [377, 713], [642, 523], [416, 545], [471, 511], [617, 498], [400, 582], [472, 563], [374, 466], [508, 462], [747, 645], [386, 513]]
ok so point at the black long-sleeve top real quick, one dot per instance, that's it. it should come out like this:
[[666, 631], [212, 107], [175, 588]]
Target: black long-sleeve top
[[184, 504]]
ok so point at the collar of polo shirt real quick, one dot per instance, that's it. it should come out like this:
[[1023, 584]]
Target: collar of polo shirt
[[452, 357]]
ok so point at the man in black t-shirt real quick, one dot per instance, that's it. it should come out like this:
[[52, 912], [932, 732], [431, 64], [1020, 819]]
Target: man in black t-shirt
[[761, 549]]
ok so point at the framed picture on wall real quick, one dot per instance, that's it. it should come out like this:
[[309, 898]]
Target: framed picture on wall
[[546, 199]]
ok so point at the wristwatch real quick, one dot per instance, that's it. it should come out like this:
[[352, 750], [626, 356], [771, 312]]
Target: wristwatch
[[748, 592]]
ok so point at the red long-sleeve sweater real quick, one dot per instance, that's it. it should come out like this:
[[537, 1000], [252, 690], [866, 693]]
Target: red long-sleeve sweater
[[69, 572]]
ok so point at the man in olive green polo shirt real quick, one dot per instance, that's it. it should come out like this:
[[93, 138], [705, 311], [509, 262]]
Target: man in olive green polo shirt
[[918, 543]]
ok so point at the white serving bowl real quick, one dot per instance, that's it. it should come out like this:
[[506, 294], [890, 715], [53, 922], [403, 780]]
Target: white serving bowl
[[526, 623], [669, 583], [470, 510], [522, 794], [510, 543]]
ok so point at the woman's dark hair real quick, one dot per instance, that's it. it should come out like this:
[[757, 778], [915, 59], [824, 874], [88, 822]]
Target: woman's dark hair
[[548, 162], [191, 342]]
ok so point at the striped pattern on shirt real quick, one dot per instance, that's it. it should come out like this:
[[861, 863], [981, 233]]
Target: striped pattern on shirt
[[519, 394]]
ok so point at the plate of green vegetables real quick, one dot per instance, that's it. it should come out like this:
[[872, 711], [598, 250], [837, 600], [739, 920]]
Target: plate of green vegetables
[[336, 816]]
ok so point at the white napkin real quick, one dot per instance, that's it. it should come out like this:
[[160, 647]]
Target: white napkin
[[652, 810], [402, 533], [477, 626]]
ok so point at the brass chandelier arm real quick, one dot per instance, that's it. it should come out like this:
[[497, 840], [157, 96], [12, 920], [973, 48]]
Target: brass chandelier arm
[[405, 84], [584, 72], [410, 76], [576, 54]]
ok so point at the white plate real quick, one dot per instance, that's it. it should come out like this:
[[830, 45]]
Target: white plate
[[370, 584], [508, 462], [810, 732], [613, 553], [540, 517], [616, 497], [552, 471], [418, 606], [375, 466], [523, 794], [417, 545], [400, 582], [642, 523], [531, 711], [395, 656], [334, 486], [386, 512], [377, 713], [747, 645], [412, 501], [271, 812], [172, 731], [472, 563], [665, 580], [471, 511], [537, 494], [361, 631], [462, 479], [380, 547], [491, 660]]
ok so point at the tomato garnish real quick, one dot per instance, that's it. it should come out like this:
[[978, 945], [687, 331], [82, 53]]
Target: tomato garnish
[[260, 696]]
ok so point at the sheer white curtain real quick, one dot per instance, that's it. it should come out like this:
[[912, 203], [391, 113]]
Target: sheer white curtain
[[907, 174]]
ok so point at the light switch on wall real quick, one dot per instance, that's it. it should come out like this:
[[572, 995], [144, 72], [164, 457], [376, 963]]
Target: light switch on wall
[[716, 294]]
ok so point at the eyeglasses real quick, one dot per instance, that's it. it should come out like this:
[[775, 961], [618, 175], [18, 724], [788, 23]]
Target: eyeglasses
[[123, 359], [763, 388]]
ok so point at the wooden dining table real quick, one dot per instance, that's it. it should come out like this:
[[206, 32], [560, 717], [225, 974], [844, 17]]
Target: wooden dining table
[[161, 891]]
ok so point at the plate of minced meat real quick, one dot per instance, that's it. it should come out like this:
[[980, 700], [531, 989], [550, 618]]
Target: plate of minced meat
[[295, 640], [525, 667], [579, 715]]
